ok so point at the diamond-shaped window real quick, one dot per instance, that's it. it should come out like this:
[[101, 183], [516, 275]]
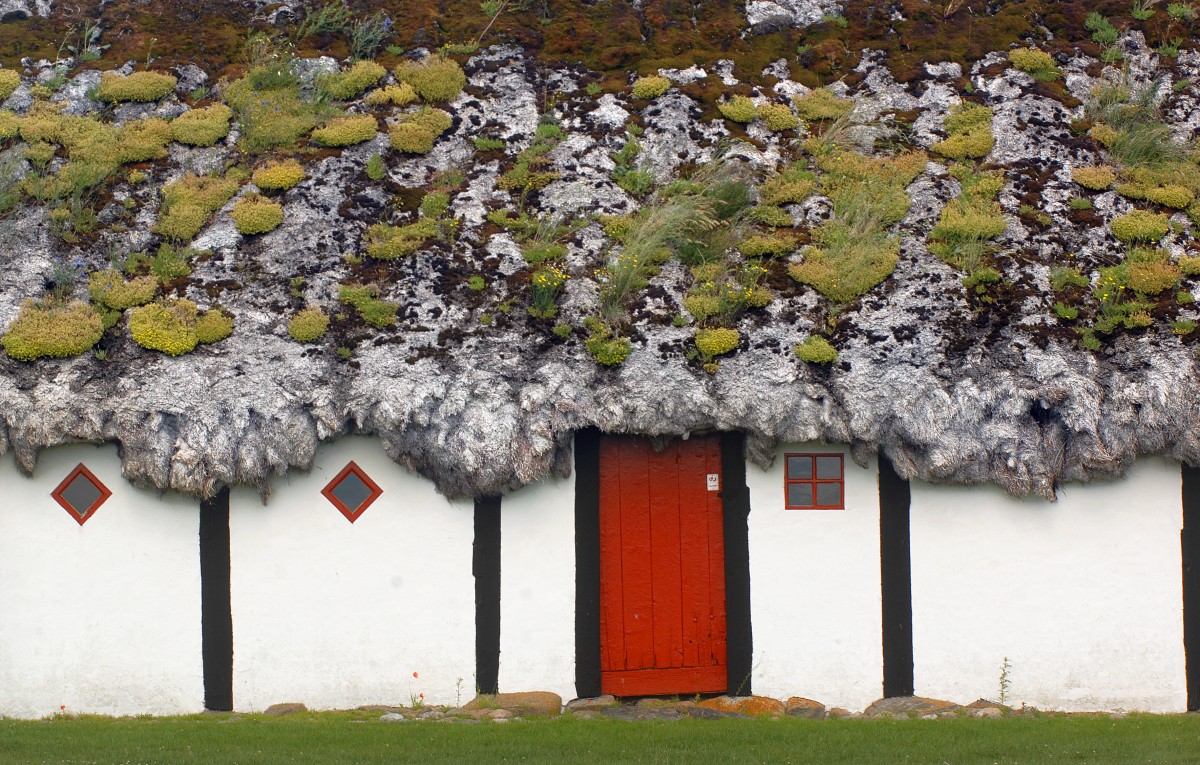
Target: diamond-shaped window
[[352, 491], [81, 493]]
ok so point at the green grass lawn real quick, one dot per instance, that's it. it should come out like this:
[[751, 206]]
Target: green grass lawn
[[329, 739]]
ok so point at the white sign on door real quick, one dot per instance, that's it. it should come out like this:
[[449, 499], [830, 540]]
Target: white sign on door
[[714, 482]]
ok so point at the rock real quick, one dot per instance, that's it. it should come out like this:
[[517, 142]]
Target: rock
[[766, 16], [908, 705], [798, 706], [704, 713], [622, 712], [839, 712], [393, 717], [526, 704], [991, 713], [1119, 715], [287, 708], [596, 702], [15, 10], [753, 706], [500, 714]]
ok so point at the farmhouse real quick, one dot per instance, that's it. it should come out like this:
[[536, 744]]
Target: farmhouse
[[348, 383]]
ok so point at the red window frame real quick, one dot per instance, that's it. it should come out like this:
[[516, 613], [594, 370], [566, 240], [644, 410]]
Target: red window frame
[[813, 481], [79, 470], [352, 515]]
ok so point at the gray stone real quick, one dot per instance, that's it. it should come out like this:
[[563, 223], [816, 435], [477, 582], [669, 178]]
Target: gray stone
[[393, 717], [595, 702], [991, 713], [286, 708]]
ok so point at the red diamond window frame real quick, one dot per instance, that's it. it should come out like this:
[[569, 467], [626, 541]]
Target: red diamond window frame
[[351, 515], [81, 470]]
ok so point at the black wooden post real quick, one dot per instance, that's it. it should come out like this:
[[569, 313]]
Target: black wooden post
[[896, 576], [485, 565], [1190, 543], [735, 502], [216, 613], [587, 563]]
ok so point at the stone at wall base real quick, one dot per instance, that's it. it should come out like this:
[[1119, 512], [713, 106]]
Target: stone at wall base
[[798, 706], [595, 702], [913, 706], [287, 708], [754, 706], [527, 704]]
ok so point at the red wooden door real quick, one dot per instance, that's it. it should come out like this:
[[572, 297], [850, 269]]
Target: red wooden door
[[662, 568]]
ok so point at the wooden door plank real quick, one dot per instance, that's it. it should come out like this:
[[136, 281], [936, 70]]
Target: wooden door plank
[[636, 555], [663, 682], [612, 623], [716, 551], [694, 543], [664, 542]]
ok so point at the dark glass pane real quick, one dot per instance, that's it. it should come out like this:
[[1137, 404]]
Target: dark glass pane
[[829, 467], [352, 492], [799, 495], [799, 467], [829, 494], [80, 494]]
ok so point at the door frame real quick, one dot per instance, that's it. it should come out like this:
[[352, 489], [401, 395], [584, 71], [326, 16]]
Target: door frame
[[735, 496]]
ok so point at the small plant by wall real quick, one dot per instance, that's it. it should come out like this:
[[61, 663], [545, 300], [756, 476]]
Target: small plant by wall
[[52, 329]]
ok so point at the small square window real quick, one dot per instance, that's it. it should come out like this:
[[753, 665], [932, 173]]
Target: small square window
[[352, 491], [81, 494], [814, 482]]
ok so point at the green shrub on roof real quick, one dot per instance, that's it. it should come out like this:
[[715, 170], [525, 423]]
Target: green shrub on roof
[[141, 87], [816, 350], [256, 215], [392, 95], [1036, 62], [202, 127], [278, 176], [10, 125], [346, 131], [51, 329], [435, 79], [309, 325], [189, 202], [822, 104], [970, 129], [350, 83], [739, 109], [1140, 226], [650, 87], [9, 81], [109, 289], [175, 327]]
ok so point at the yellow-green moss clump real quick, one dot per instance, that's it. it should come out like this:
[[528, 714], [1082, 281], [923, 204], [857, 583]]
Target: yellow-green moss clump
[[1149, 271], [970, 129], [346, 85], [390, 242], [278, 176], [1140, 226], [821, 104], [109, 289], [608, 351], [1095, 178], [139, 86], [760, 245], [739, 109], [213, 326], [392, 95], [416, 134], [140, 141], [435, 79], [778, 117], [10, 124], [202, 127], [816, 350], [717, 340], [365, 298], [9, 81], [1037, 63], [175, 327], [347, 131], [790, 185], [650, 87], [308, 325], [190, 201], [52, 330], [256, 215]]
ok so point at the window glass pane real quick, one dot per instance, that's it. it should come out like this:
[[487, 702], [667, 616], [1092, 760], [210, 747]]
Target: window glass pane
[[799, 467], [829, 494], [80, 494], [799, 495], [829, 467], [352, 492]]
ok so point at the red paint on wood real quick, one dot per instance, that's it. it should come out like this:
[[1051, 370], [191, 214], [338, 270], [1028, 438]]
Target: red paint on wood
[[662, 568]]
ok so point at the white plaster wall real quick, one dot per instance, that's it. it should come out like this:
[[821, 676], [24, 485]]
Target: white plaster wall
[[335, 614], [102, 618], [815, 588], [1084, 596], [537, 588]]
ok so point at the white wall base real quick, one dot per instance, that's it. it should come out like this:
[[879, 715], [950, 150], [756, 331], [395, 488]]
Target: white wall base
[[1084, 596], [815, 589], [334, 614], [102, 618], [537, 588]]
